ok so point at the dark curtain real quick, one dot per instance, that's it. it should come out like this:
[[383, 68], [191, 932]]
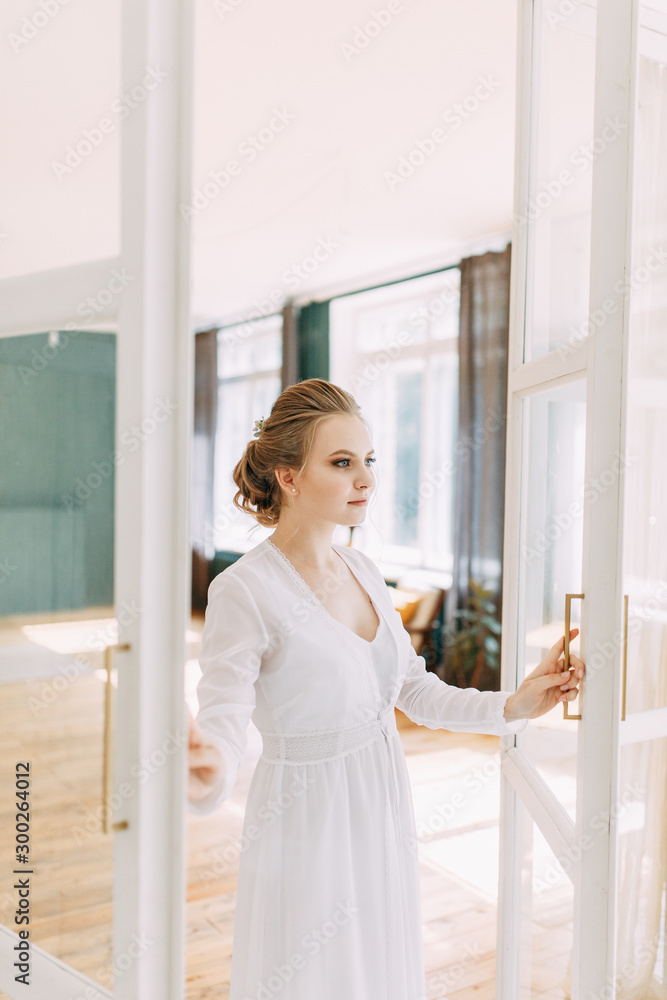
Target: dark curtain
[[313, 341], [480, 453], [203, 451], [290, 365]]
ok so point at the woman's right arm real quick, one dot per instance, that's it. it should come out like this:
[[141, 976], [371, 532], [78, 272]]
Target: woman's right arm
[[233, 640]]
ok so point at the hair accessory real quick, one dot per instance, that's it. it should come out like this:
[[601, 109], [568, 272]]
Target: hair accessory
[[259, 426]]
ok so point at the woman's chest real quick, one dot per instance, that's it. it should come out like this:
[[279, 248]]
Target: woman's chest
[[345, 600]]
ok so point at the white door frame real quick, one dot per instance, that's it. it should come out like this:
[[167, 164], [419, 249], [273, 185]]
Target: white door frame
[[601, 361], [152, 546]]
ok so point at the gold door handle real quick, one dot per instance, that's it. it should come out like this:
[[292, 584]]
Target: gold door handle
[[107, 775], [625, 655], [566, 649]]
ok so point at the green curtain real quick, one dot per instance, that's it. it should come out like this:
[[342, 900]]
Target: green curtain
[[313, 341]]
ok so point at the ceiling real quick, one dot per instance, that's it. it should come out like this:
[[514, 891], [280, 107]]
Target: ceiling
[[333, 94]]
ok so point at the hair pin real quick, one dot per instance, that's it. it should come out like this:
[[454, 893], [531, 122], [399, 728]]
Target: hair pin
[[259, 426]]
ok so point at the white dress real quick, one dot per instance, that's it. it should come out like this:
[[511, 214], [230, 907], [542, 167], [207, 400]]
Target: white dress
[[328, 900]]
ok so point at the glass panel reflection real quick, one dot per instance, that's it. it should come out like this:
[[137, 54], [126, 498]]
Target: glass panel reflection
[[550, 566], [545, 955], [645, 520], [641, 815], [58, 452], [559, 205], [641, 806]]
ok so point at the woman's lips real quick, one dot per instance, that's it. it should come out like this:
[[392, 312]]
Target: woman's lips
[[358, 502]]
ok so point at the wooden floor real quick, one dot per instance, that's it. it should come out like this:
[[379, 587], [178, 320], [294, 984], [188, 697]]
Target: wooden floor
[[58, 728]]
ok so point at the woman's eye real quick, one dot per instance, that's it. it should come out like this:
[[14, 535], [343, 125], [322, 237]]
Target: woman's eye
[[347, 460]]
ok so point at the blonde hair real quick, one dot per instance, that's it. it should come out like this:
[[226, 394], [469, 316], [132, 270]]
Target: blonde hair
[[286, 439]]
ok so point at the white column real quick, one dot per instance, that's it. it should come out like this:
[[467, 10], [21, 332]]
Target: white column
[[152, 556], [594, 923]]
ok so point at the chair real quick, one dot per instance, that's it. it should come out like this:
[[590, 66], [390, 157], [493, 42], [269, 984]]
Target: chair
[[419, 611]]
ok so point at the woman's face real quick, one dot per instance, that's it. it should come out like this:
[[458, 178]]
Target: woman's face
[[338, 472]]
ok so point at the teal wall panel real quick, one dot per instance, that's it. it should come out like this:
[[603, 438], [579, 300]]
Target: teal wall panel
[[57, 416]]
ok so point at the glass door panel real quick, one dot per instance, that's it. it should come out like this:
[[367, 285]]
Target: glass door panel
[[545, 945], [56, 618], [641, 819], [550, 565], [61, 156], [558, 215], [645, 520]]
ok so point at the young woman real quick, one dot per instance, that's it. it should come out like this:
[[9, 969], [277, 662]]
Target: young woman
[[301, 636]]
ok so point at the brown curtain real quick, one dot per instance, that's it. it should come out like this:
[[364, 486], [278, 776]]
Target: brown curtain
[[203, 452], [480, 452]]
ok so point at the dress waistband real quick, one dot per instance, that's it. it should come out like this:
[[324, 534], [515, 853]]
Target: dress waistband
[[310, 748]]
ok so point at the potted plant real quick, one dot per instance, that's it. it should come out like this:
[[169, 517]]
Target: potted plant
[[472, 644]]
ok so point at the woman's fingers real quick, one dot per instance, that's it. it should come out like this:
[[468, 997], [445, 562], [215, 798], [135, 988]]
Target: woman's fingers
[[552, 662], [556, 650], [204, 756]]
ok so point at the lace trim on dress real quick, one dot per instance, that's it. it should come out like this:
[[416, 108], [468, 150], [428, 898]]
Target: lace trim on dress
[[310, 748], [336, 627]]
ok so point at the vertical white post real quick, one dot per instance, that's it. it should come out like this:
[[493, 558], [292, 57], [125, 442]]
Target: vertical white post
[[509, 921], [594, 917], [152, 556]]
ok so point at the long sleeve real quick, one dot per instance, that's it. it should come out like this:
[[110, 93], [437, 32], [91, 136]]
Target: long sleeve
[[429, 701], [233, 640]]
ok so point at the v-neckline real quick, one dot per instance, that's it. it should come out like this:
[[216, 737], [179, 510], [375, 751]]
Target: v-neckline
[[292, 570]]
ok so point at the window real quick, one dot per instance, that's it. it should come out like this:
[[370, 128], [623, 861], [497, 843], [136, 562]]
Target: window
[[395, 349], [249, 380]]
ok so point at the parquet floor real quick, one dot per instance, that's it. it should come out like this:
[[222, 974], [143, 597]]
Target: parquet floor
[[60, 732]]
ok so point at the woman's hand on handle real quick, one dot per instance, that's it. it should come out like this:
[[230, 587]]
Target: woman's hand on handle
[[547, 685], [205, 762]]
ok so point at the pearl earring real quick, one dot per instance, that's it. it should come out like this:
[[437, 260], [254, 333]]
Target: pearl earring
[[293, 490]]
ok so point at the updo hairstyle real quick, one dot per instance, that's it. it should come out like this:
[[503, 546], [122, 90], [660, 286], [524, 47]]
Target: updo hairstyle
[[286, 439]]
